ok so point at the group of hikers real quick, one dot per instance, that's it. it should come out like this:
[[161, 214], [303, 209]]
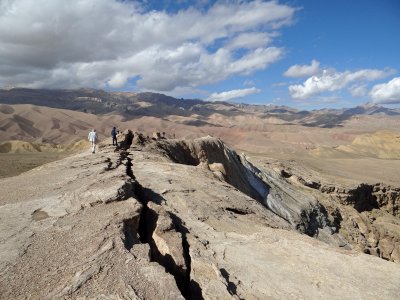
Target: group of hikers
[[93, 138]]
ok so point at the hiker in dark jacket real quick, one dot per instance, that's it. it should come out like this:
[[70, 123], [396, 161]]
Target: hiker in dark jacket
[[114, 136]]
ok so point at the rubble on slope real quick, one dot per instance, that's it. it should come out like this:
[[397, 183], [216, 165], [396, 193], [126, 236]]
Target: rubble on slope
[[367, 215]]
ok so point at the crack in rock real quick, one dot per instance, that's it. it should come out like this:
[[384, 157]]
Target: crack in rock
[[165, 234]]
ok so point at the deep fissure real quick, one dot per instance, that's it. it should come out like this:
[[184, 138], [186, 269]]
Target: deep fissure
[[231, 287], [193, 289], [147, 224], [238, 211], [129, 231], [312, 221]]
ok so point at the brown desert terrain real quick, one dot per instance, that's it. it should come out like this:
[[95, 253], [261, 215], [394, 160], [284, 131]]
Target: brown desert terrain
[[362, 148], [14, 164], [309, 204]]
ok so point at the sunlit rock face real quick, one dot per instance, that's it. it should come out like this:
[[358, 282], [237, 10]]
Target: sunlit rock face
[[177, 219], [269, 188]]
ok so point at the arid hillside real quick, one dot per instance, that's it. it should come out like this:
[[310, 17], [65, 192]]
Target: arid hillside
[[358, 145]]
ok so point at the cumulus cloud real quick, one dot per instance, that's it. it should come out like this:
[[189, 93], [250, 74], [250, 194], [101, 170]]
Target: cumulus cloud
[[249, 41], [330, 81], [358, 90], [233, 94], [303, 70], [387, 93], [102, 43]]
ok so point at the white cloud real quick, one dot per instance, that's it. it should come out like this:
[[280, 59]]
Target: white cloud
[[303, 70], [233, 94], [249, 41], [186, 92], [331, 81], [358, 90], [256, 60], [386, 92], [118, 80], [108, 42]]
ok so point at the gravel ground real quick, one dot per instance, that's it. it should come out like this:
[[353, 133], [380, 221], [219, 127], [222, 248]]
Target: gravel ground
[[12, 164]]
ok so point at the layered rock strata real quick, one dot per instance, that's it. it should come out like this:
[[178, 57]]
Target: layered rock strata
[[367, 215]]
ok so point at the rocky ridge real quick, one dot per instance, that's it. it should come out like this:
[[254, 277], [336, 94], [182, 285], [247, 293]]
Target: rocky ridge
[[301, 210], [175, 219]]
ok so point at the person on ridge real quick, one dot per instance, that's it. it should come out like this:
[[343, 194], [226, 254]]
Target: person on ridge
[[92, 137], [114, 136]]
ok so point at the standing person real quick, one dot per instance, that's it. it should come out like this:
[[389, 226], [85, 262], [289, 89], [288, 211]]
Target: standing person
[[92, 137], [114, 136]]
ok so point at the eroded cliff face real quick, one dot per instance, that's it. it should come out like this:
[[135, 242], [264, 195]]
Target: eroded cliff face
[[367, 215], [300, 209], [371, 218], [175, 219], [367, 197]]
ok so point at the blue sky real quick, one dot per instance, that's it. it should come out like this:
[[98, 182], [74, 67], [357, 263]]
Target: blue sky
[[344, 35], [306, 54]]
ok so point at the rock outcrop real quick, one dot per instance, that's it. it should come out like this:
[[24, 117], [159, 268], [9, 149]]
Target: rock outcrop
[[367, 215], [300, 209], [71, 232], [172, 220]]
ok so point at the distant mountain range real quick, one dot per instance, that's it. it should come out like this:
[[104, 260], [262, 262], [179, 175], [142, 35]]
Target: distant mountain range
[[133, 105]]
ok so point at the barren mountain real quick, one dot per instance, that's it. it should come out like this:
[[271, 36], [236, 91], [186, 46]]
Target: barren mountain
[[323, 141], [192, 219], [134, 105]]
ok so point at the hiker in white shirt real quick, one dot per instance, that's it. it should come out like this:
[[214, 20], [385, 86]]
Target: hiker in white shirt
[[92, 137]]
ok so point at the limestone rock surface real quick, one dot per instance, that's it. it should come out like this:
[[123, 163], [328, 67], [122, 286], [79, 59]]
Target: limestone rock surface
[[152, 223], [69, 229]]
